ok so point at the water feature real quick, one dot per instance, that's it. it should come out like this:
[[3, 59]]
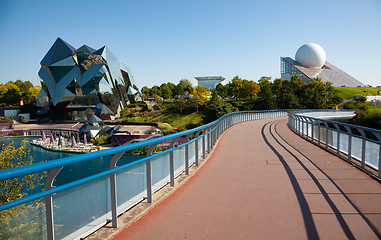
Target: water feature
[[74, 171]]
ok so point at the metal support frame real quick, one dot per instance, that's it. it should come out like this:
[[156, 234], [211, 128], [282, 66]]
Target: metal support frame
[[149, 172], [49, 202], [326, 135], [363, 147], [197, 134], [187, 154], [114, 204], [319, 134], [171, 163], [203, 147]]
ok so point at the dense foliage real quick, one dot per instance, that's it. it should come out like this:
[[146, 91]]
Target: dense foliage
[[11, 93], [23, 221], [183, 106], [249, 95], [363, 116]]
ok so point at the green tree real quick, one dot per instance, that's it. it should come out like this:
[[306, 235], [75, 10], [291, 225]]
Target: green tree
[[316, 94], [296, 82], [186, 82], [155, 90], [23, 221], [26, 88], [179, 89], [145, 92], [165, 91], [235, 87], [218, 108], [221, 90], [267, 100], [201, 95], [10, 94], [172, 87], [250, 89], [288, 100]]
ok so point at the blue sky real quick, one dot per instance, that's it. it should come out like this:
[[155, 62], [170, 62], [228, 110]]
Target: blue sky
[[165, 41]]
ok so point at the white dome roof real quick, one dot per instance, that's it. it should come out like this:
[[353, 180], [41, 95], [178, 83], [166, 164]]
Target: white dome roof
[[311, 55]]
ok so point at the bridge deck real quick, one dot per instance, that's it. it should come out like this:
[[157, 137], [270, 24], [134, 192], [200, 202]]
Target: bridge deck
[[264, 182]]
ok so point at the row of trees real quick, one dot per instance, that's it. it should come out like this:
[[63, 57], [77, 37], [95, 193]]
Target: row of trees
[[11, 93], [167, 90], [248, 94]]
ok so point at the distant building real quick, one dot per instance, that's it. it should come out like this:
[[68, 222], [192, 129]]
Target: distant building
[[310, 63], [209, 82], [77, 83]]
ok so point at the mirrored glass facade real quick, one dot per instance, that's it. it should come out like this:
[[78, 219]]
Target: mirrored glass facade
[[76, 83]]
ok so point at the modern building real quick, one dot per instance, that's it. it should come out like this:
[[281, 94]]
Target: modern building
[[77, 83], [209, 82], [310, 62]]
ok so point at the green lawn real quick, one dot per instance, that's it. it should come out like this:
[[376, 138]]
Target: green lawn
[[371, 108], [348, 92], [183, 122]]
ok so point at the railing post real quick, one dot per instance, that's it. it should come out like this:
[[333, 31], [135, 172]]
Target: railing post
[[149, 172], [363, 153], [203, 145], [319, 134], [49, 202], [208, 136], [171, 163], [114, 204], [187, 154], [307, 124], [379, 161], [349, 147], [312, 130], [363, 147], [197, 134]]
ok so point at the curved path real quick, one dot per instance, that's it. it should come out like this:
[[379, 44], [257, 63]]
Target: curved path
[[264, 182]]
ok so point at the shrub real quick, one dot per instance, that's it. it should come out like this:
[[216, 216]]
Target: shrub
[[6, 120]]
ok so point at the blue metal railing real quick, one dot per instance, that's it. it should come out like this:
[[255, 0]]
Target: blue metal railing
[[361, 144], [75, 209]]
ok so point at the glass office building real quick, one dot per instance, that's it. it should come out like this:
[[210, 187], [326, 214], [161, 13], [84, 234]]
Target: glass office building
[[77, 83]]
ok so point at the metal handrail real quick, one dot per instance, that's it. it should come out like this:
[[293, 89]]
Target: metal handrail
[[295, 120], [209, 134]]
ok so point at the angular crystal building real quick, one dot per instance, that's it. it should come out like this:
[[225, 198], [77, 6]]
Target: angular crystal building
[[77, 83], [310, 63]]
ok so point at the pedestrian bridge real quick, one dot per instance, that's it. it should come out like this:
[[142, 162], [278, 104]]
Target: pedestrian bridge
[[262, 180]]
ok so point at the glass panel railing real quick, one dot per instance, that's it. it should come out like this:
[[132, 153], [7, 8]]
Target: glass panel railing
[[356, 151], [192, 153], [131, 186], [160, 171], [344, 138], [372, 154], [334, 139], [179, 160], [82, 208]]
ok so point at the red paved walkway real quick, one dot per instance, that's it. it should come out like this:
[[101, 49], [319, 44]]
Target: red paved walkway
[[265, 182]]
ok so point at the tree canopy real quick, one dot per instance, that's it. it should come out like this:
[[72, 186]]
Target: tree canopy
[[11, 93]]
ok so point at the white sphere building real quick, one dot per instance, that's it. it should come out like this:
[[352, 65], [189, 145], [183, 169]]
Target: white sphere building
[[311, 55], [310, 62]]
